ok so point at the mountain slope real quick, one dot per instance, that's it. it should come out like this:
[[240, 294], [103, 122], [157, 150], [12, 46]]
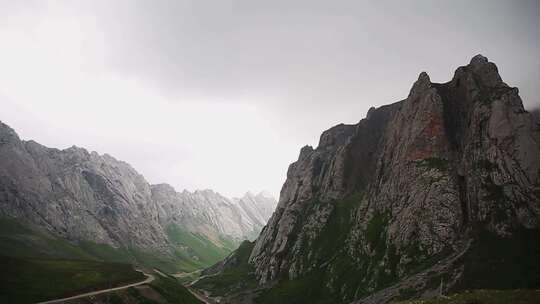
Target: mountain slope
[[209, 213], [76, 194], [409, 197], [102, 208]]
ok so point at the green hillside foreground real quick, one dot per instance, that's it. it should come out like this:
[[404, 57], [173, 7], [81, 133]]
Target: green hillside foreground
[[33, 280], [38, 266], [231, 279], [163, 290], [191, 253], [517, 296]]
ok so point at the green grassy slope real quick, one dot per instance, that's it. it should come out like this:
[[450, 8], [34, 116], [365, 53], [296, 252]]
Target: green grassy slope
[[196, 251], [31, 280], [335, 270], [172, 291], [232, 279], [20, 240], [37, 265], [192, 252], [503, 263], [163, 290], [486, 297]]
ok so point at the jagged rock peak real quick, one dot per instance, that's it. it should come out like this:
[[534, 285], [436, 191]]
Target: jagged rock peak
[[486, 72], [423, 83], [429, 172], [7, 134], [478, 60], [370, 112], [249, 194], [306, 150], [163, 187], [336, 135], [265, 194]]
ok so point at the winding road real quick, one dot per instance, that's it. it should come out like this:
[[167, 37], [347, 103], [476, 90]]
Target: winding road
[[149, 278], [200, 296]]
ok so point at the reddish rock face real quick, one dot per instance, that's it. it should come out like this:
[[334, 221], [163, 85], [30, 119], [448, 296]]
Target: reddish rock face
[[426, 144], [450, 160]]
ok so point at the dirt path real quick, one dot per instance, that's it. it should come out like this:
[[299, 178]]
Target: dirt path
[[202, 277], [149, 278], [200, 296], [185, 274]]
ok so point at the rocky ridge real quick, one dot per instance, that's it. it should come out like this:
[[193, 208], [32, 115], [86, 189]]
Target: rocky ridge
[[417, 187], [82, 196], [211, 214]]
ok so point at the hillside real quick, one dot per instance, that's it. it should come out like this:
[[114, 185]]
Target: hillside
[[94, 206]]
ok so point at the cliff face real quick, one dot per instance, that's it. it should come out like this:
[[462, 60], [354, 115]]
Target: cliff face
[[87, 197], [413, 183], [76, 194], [211, 214]]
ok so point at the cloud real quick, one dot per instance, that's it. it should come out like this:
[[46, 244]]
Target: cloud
[[222, 94]]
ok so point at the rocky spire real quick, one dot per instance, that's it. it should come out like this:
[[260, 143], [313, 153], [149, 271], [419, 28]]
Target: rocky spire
[[485, 71], [429, 172], [423, 83]]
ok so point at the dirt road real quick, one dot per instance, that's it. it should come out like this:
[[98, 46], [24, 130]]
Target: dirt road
[[149, 278]]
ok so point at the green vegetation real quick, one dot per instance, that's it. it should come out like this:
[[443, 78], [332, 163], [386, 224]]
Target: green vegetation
[[133, 292], [407, 293], [503, 263], [23, 241], [172, 291], [104, 252], [188, 276], [376, 228], [232, 279], [195, 251], [304, 290], [486, 297], [433, 163], [32, 280], [337, 278], [192, 252]]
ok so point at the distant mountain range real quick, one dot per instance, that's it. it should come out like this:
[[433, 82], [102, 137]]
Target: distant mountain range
[[107, 210], [433, 194]]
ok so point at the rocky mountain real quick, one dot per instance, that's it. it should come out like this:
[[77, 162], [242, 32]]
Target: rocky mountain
[[76, 194], [434, 193], [103, 204], [258, 208], [213, 215], [536, 114]]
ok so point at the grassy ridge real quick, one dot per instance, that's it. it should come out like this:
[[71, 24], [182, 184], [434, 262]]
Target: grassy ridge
[[32, 280]]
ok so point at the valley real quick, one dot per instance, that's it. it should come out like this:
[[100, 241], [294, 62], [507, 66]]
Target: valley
[[269, 152]]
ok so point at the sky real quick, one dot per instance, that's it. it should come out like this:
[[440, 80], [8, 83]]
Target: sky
[[223, 94]]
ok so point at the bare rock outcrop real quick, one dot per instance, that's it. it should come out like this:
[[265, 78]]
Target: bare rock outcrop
[[77, 195], [409, 185]]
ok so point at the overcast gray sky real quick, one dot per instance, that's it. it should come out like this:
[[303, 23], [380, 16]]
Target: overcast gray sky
[[223, 94]]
